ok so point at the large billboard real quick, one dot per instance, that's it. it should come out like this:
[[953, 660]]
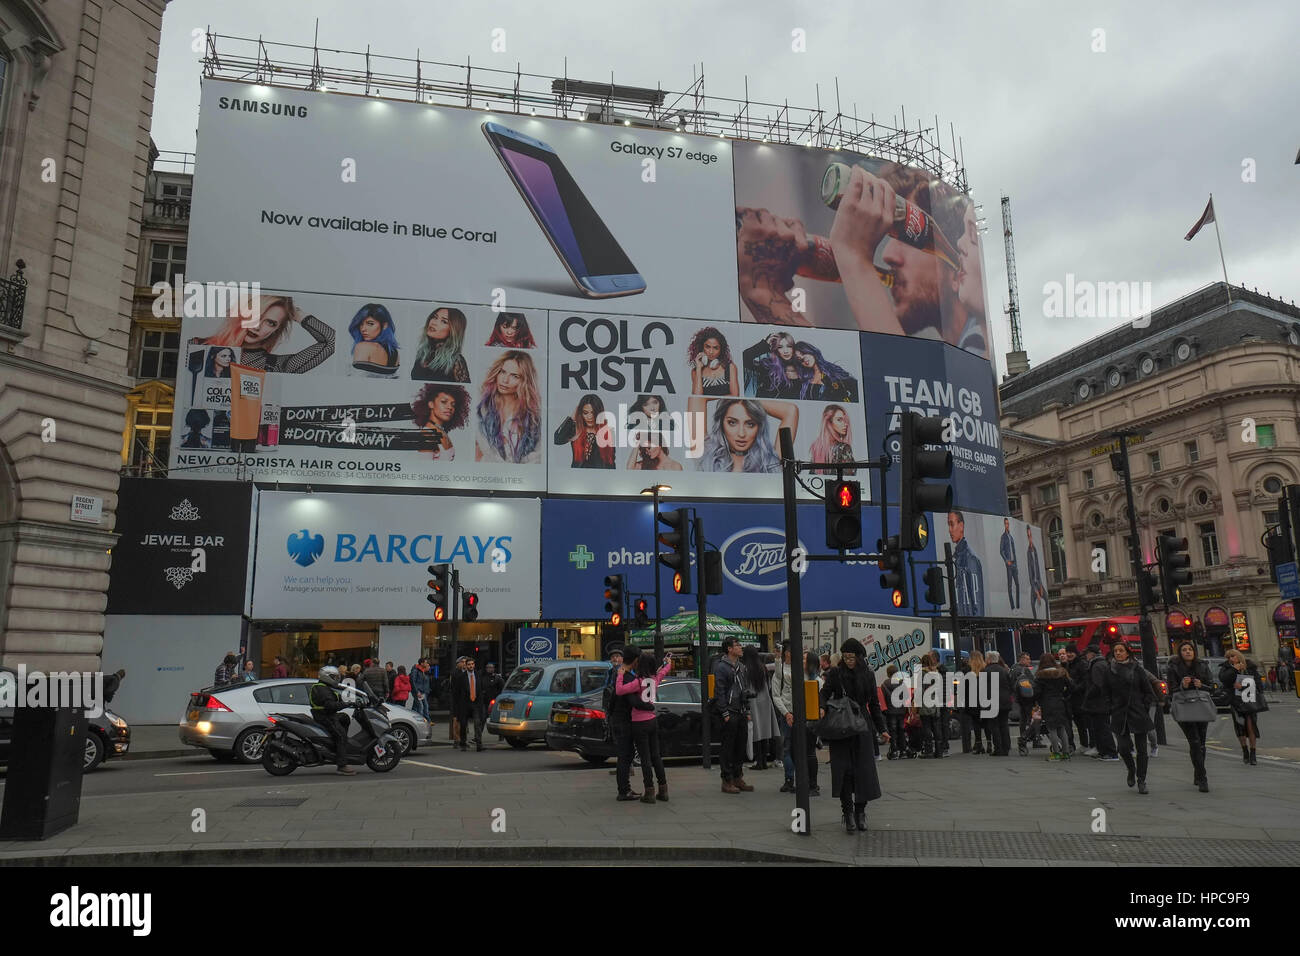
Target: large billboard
[[457, 299], [365, 557], [999, 565]]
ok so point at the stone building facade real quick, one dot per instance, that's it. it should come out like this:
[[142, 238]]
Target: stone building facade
[[75, 108], [1216, 386]]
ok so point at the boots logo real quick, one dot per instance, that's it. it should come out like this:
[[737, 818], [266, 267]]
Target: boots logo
[[305, 548], [537, 645], [755, 559]]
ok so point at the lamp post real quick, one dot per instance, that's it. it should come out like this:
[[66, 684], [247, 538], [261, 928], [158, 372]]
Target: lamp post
[[654, 491]]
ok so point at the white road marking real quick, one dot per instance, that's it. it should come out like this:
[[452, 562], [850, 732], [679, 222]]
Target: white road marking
[[438, 766], [200, 773]]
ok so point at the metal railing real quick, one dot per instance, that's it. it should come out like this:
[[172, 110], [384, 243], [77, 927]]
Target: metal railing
[[13, 298], [167, 210]]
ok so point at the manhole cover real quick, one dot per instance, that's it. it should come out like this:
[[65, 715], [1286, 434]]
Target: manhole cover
[[272, 802]]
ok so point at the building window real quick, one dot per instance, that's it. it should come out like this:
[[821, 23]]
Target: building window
[[1128, 553], [1272, 518], [175, 190], [1209, 543], [1154, 458], [1048, 494], [1098, 560], [1163, 505], [1088, 481], [158, 350], [1193, 454], [1273, 485], [1265, 436], [1202, 497], [1096, 519], [152, 444], [1013, 504], [1167, 533], [166, 260], [1056, 548]]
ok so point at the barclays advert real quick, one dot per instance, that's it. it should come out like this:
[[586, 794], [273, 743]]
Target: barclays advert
[[583, 541]]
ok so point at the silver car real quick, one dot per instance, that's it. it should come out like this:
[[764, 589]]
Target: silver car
[[230, 722]]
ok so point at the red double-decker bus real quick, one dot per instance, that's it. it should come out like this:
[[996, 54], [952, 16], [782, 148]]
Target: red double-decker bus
[[1102, 631]]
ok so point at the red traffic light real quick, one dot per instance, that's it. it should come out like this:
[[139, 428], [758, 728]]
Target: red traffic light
[[1187, 622], [847, 495], [1113, 629], [471, 599], [897, 598], [641, 605]]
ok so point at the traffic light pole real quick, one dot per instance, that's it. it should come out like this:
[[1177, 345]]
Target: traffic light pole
[[454, 612], [799, 732], [706, 732], [654, 551], [1145, 629]]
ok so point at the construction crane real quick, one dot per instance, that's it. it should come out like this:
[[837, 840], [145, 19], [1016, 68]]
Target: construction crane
[[1017, 359]]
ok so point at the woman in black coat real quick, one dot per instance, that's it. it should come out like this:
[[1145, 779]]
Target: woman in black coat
[[1052, 693], [1131, 697], [1187, 672], [853, 760], [1236, 676]]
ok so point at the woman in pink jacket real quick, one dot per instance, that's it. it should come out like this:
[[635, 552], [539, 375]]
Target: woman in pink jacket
[[643, 681]]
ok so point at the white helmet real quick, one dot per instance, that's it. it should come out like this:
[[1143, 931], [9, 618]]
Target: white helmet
[[329, 675]]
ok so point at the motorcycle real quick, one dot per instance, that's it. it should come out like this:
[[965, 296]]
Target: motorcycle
[[295, 741]]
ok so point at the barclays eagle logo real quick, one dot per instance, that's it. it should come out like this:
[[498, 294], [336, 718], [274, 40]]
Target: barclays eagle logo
[[304, 548]]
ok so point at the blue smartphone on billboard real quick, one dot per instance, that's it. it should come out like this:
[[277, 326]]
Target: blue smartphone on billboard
[[592, 256]]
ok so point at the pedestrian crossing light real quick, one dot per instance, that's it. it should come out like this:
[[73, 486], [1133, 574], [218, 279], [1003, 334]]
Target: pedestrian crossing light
[[439, 589], [469, 606], [843, 515], [642, 617], [614, 598]]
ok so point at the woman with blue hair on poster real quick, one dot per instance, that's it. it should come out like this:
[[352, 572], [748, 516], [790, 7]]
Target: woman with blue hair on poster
[[822, 380], [737, 438], [374, 349]]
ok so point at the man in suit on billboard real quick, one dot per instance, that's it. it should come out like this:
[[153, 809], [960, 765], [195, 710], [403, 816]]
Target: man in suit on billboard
[[1007, 549], [1036, 590]]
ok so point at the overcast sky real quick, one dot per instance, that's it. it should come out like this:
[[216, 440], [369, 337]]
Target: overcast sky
[[1108, 156]]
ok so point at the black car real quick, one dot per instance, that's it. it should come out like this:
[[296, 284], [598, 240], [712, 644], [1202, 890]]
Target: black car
[[579, 723], [106, 735]]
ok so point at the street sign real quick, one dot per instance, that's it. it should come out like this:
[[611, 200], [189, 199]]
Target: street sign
[[1288, 579]]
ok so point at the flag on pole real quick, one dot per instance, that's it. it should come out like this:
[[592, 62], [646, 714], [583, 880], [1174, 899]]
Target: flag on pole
[[1206, 218]]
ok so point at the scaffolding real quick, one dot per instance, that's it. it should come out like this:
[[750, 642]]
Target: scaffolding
[[465, 85]]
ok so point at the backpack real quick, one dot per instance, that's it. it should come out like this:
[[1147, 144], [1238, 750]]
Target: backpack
[[1025, 685]]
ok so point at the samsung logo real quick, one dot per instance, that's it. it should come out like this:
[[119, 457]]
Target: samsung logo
[[262, 106]]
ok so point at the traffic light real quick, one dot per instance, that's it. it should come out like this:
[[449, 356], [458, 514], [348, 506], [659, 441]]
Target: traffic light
[[439, 590], [642, 618], [614, 598], [934, 586], [916, 497], [1146, 588], [843, 515], [1171, 553], [676, 537], [712, 572], [469, 606], [891, 562]]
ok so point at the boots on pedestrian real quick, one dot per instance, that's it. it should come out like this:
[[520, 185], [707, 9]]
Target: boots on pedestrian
[[1142, 785], [649, 795], [1245, 754], [1203, 785], [662, 795], [860, 819], [1252, 756], [850, 825], [1132, 768], [740, 784], [728, 786]]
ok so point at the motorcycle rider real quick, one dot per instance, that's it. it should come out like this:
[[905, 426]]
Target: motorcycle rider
[[326, 702]]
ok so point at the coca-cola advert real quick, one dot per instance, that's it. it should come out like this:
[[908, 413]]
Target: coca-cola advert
[[838, 240]]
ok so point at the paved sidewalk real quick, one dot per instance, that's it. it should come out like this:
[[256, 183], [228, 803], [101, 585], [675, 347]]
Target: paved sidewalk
[[965, 809]]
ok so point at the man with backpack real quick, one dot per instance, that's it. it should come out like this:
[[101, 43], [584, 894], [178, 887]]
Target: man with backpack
[[1022, 685]]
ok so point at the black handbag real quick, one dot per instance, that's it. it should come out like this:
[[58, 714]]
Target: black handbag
[[843, 720]]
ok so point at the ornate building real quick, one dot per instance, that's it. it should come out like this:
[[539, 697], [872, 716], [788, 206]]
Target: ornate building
[[1216, 389], [76, 97]]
